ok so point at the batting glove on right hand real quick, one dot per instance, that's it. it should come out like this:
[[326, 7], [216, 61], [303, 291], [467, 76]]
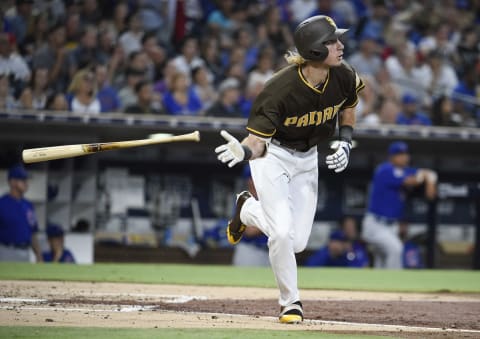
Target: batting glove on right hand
[[231, 152], [338, 161]]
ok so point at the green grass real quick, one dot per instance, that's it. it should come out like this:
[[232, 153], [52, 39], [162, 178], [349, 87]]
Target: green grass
[[105, 333], [309, 278]]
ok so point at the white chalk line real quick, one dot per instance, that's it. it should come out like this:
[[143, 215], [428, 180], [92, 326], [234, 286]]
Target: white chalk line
[[137, 308], [22, 300], [169, 299]]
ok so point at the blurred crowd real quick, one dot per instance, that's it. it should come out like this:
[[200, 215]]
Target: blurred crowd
[[419, 59]]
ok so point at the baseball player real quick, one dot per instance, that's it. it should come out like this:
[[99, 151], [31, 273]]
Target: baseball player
[[18, 223], [387, 201], [297, 109]]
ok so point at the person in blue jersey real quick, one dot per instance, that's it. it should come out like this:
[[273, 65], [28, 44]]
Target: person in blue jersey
[[391, 182], [337, 253], [18, 223], [57, 252]]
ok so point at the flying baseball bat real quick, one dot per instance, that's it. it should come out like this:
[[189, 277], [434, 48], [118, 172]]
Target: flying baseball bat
[[70, 151]]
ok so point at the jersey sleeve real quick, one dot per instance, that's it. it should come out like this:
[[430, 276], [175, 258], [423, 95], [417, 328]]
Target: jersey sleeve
[[395, 177], [355, 88], [264, 116]]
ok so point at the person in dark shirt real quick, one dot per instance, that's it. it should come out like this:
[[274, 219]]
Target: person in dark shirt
[[58, 252], [297, 111], [145, 103], [228, 103]]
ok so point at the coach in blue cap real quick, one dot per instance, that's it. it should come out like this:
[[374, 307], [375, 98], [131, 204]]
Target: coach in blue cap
[[391, 181], [18, 223]]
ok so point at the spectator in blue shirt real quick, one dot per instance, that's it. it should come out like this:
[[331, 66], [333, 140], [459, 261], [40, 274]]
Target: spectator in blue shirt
[[337, 253], [387, 201], [410, 114], [107, 95], [57, 253], [181, 99], [18, 223]]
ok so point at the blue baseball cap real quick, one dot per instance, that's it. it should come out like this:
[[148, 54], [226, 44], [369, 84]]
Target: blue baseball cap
[[17, 172], [54, 230], [409, 98], [338, 235], [397, 147]]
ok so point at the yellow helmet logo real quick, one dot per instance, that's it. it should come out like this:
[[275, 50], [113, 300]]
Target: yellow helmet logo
[[330, 21]]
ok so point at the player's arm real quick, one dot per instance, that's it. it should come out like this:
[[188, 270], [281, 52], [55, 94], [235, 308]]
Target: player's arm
[[423, 176], [256, 145]]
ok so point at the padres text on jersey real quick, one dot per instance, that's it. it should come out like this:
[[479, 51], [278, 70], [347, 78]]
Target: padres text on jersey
[[298, 114]]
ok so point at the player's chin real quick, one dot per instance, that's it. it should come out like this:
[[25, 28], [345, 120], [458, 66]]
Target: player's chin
[[336, 61]]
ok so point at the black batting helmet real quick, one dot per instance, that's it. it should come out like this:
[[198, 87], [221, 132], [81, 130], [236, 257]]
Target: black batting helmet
[[311, 35]]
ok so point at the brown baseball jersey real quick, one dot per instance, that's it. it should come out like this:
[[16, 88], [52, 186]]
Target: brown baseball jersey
[[299, 115]]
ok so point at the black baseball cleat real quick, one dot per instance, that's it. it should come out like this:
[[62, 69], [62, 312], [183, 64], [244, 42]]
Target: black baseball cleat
[[235, 227], [291, 314]]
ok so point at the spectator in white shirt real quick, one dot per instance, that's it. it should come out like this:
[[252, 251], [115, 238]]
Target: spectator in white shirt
[[83, 98], [12, 63]]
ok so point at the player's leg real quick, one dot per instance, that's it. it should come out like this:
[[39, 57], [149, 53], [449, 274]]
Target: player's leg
[[272, 215], [303, 197], [386, 245], [394, 249]]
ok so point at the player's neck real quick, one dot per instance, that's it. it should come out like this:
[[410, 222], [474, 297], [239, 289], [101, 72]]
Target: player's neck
[[17, 195], [315, 74]]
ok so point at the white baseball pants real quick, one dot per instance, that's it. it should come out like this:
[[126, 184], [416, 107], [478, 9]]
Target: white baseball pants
[[287, 185]]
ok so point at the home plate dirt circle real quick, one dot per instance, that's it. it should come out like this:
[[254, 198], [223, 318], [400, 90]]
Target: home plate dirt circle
[[409, 315]]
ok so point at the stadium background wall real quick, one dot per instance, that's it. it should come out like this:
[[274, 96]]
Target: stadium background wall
[[453, 152]]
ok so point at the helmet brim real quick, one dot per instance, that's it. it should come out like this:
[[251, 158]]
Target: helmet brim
[[339, 32]]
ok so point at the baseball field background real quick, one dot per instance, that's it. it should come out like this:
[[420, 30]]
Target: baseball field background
[[192, 301]]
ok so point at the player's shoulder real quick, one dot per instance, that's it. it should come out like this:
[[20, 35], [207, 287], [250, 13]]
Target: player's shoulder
[[27, 203], [278, 88], [346, 73], [384, 167], [282, 79]]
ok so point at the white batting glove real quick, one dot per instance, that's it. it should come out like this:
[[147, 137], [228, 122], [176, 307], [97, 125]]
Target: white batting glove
[[231, 152], [338, 161]]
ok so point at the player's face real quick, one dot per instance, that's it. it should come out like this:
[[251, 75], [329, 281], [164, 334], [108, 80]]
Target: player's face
[[335, 52], [19, 186], [401, 159]]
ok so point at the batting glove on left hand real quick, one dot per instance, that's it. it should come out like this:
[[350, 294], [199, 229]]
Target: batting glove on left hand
[[231, 152], [338, 161]]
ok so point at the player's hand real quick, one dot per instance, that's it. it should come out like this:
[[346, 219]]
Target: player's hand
[[431, 177], [232, 152], [338, 161], [427, 175]]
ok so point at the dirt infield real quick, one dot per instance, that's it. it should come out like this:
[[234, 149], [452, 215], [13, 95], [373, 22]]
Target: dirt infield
[[29, 303]]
